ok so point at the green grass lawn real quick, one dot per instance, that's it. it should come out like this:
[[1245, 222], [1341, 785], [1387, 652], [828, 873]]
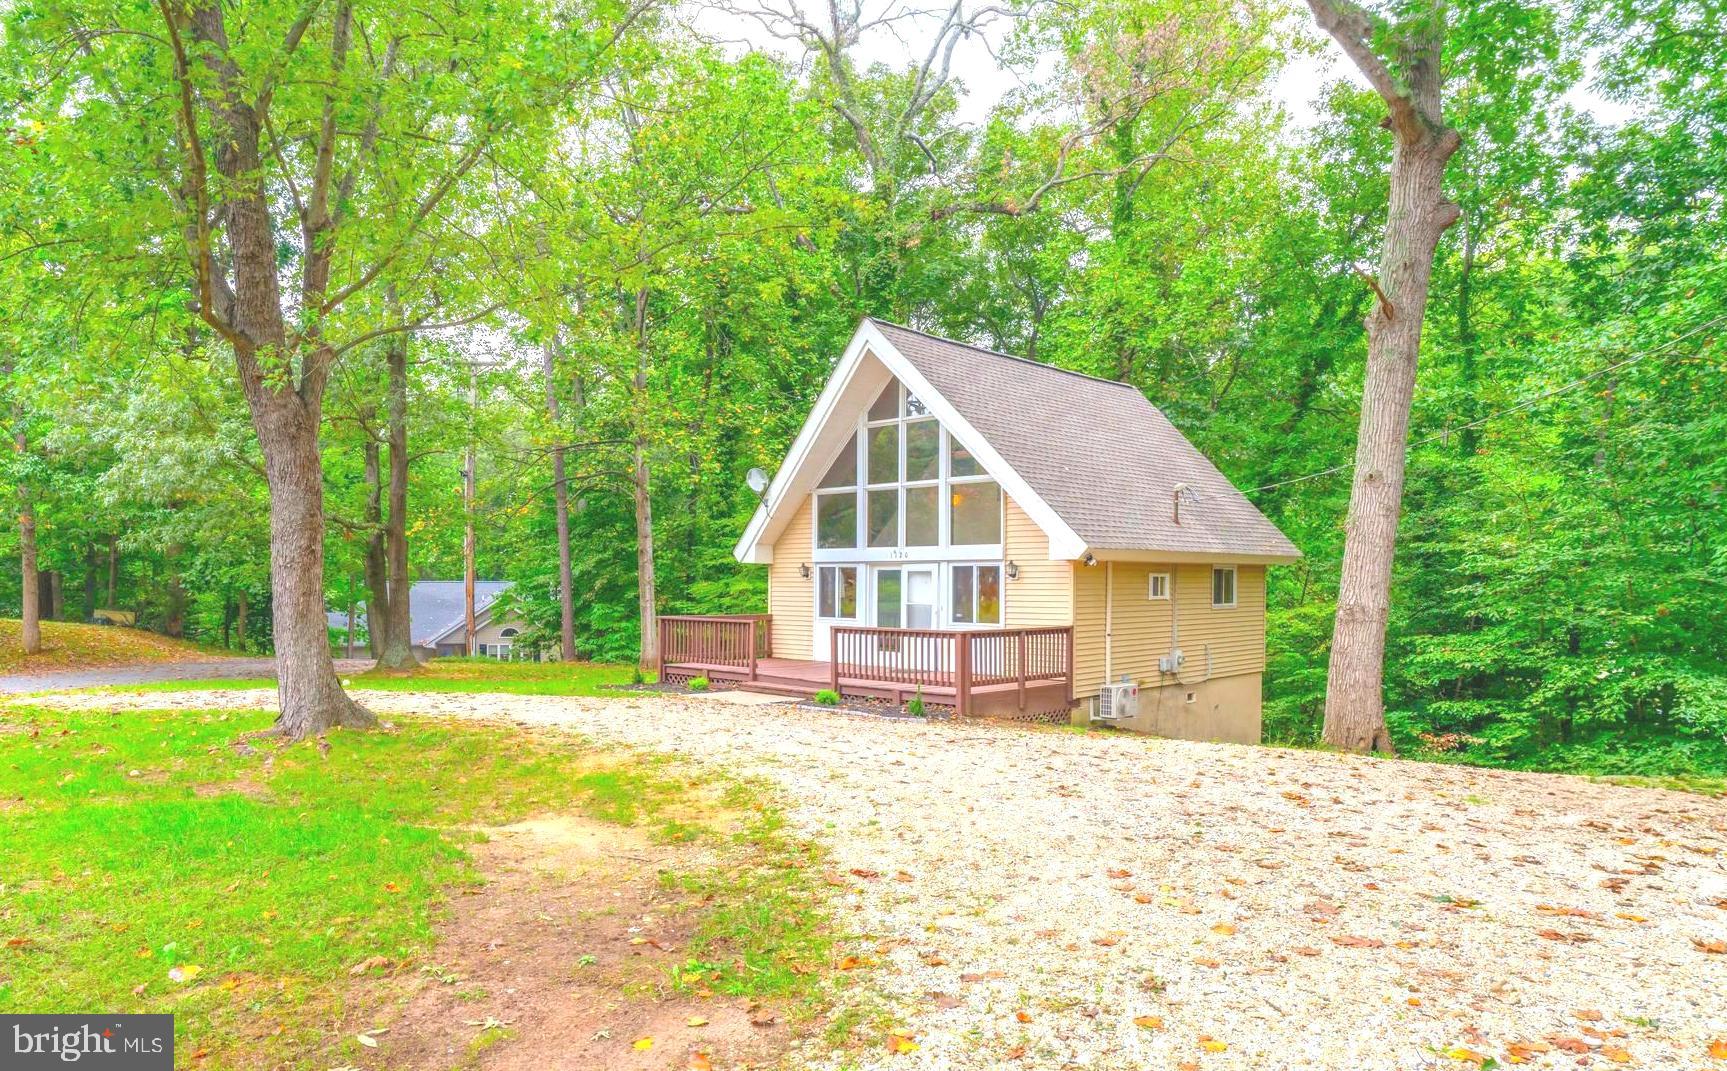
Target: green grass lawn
[[446, 675], [149, 865]]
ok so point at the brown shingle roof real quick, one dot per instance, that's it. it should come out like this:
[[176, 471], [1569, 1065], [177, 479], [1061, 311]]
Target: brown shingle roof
[[1101, 455]]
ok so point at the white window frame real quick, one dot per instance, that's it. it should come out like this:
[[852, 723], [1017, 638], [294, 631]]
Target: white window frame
[[1157, 587], [858, 601], [1234, 587], [946, 594], [944, 550]]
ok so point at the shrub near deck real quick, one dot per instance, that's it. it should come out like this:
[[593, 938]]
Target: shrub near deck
[[151, 866]]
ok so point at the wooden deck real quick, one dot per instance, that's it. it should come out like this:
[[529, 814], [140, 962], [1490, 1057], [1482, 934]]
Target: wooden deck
[[995, 672]]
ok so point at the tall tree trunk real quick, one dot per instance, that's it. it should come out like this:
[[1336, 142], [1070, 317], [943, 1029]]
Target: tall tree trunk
[[174, 621], [241, 610], [113, 568], [1419, 214], [646, 597], [56, 581], [31, 610], [468, 566], [398, 649], [309, 692], [227, 620], [560, 508], [377, 575], [89, 581]]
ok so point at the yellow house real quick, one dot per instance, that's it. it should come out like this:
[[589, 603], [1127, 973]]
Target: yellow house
[[1003, 537]]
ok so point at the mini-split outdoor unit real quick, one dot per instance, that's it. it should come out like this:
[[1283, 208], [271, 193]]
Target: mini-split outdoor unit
[[1118, 701]]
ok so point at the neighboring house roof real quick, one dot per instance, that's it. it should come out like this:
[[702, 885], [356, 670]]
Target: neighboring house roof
[[1092, 461], [437, 608]]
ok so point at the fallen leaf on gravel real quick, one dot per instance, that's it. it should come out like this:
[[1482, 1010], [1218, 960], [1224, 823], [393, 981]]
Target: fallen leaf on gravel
[[933, 959], [1719, 948], [695, 1020], [1348, 941], [1572, 1045], [1016, 1053], [864, 873], [1210, 1044], [643, 1044], [1142, 898], [850, 963], [1148, 1022], [942, 1000], [1566, 912], [1568, 938], [699, 1062], [1106, 942], [368, 964], [1022, 1016], [1224, 928], [1588, 1015], [1616, 1054], [1467, 1055], [1203, 962], [1118, 874], [900, 875], [899, 1044], [1629, 917], [1304, 950], [761, 1017], [1718, 1048]]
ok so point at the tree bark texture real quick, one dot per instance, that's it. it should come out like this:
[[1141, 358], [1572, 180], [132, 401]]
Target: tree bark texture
[[239, 294], [398, 648], [377, 572], [640, 476], [1419, 214], [561, 510], [30, 624]]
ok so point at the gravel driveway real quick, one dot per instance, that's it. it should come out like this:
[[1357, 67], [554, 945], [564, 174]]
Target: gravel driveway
[[152, 672], [1046, 899]]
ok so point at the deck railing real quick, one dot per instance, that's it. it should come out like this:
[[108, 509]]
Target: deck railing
[[959, 659], [737, 640]]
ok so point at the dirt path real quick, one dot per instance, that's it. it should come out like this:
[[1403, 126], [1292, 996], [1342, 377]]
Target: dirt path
[[1046, 899]]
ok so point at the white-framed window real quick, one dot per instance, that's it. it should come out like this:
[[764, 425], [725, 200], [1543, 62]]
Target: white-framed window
[[1157, 586], [837, 592], [506, 633], [900, 483], [1222, 586], [975, 594]]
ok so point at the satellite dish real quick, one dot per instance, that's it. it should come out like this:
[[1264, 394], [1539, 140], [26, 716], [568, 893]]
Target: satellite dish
[[758, 480]]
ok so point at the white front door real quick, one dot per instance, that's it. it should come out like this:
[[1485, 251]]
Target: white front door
[[903, 596]]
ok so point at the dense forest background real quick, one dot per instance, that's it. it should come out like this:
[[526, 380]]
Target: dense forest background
[[664, 264]]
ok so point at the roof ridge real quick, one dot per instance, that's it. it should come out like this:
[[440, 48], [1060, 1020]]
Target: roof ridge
[[1009, 356]]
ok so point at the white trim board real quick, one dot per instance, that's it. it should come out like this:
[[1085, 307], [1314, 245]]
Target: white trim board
[[794, 477]]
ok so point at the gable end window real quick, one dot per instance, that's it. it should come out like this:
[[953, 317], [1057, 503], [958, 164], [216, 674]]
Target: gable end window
[[1157, 587], [1222, 586]]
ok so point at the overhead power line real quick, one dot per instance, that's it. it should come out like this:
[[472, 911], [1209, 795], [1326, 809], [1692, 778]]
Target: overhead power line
[[1518, 408]]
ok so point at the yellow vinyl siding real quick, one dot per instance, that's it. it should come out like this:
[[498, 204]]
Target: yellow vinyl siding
[[1043, 594], [1142, 626], [791, 598]]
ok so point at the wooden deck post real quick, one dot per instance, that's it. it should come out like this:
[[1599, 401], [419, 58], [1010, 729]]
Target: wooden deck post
[[834, 660], [1070, 669], [962, 674], [1022, 671], [754, 624]]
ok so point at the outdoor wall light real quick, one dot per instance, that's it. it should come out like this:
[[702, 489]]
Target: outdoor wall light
[[1089, 559], [1013, 570], [804, 570]]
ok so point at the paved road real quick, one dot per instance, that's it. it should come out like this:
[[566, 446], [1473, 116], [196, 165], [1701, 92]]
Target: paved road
[[223, 668]]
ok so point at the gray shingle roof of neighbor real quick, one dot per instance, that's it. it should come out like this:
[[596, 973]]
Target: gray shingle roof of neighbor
[[437, 606], [1102, 456]]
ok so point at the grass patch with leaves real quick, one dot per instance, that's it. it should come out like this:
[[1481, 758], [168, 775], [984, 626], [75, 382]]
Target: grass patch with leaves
[[152, 866], [443, 675], [68, 645]]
